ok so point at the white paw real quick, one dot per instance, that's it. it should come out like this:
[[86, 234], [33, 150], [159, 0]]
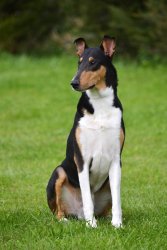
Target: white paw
[[117, 222], [63, 220], [91, 223]]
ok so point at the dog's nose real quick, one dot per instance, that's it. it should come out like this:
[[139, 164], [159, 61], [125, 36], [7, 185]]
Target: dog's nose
[[75, 84]]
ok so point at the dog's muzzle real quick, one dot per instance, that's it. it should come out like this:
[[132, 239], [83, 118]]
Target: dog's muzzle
[[75, 84]]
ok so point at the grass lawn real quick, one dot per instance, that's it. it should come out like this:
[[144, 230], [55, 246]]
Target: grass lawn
[[37, 107]]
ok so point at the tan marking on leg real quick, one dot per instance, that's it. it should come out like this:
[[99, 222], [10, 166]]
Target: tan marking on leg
[[100, 85], [122, 137], [58, 189], [78, 159], [62, 205], [76, 162], [77, 135], [65, 205]]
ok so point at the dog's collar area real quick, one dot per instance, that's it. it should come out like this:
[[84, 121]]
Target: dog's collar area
[[100, 94]]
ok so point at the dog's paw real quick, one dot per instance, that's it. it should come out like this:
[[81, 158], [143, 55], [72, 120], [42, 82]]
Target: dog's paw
[[91, 223], [63, 219], [117, 222], [117, 225]]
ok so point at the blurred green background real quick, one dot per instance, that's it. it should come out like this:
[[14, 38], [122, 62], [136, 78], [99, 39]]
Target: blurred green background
[[46, 27], [37, 108]]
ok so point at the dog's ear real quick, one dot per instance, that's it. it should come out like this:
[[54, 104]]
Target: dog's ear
[[80, 45], [108, 45]]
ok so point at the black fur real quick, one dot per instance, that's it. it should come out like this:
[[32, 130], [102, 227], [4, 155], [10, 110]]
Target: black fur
[[84, 104], [50, 190], [100, 59], [68, 164]]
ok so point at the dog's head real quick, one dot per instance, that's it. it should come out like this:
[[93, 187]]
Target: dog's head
[[95, 69]]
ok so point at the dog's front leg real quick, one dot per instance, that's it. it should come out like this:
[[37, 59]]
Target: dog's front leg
[[88, 206], [115, 185]]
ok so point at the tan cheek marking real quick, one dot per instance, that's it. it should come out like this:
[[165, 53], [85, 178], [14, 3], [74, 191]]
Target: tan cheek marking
[[101, 84], [102, 72], [88, 78]]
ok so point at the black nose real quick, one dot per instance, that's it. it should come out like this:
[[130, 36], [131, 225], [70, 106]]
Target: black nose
[[75, 84]]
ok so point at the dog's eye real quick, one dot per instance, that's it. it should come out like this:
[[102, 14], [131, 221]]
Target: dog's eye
[[91, 60]]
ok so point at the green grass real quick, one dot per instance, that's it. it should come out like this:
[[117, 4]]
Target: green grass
[[37, 108]]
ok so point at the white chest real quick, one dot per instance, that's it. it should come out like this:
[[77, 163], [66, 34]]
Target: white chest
[[99, 138]]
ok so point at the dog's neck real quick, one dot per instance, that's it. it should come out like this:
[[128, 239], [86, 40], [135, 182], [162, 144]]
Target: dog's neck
[[101, 100]]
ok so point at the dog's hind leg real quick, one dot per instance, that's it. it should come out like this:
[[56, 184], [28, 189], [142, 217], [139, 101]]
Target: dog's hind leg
[[54, 192], [63, 199], [50, 190], [58, 189]]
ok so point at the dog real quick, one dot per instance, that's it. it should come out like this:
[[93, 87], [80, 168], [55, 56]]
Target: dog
[[87, 183]]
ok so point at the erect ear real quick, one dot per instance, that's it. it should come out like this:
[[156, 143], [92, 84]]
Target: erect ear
[[81, 45], [108, 45]]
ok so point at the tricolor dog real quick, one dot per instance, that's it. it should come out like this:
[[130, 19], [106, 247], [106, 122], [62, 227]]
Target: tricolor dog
[[87, 183]]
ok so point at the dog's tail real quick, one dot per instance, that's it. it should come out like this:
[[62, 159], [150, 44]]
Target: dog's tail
[[50, 191]]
